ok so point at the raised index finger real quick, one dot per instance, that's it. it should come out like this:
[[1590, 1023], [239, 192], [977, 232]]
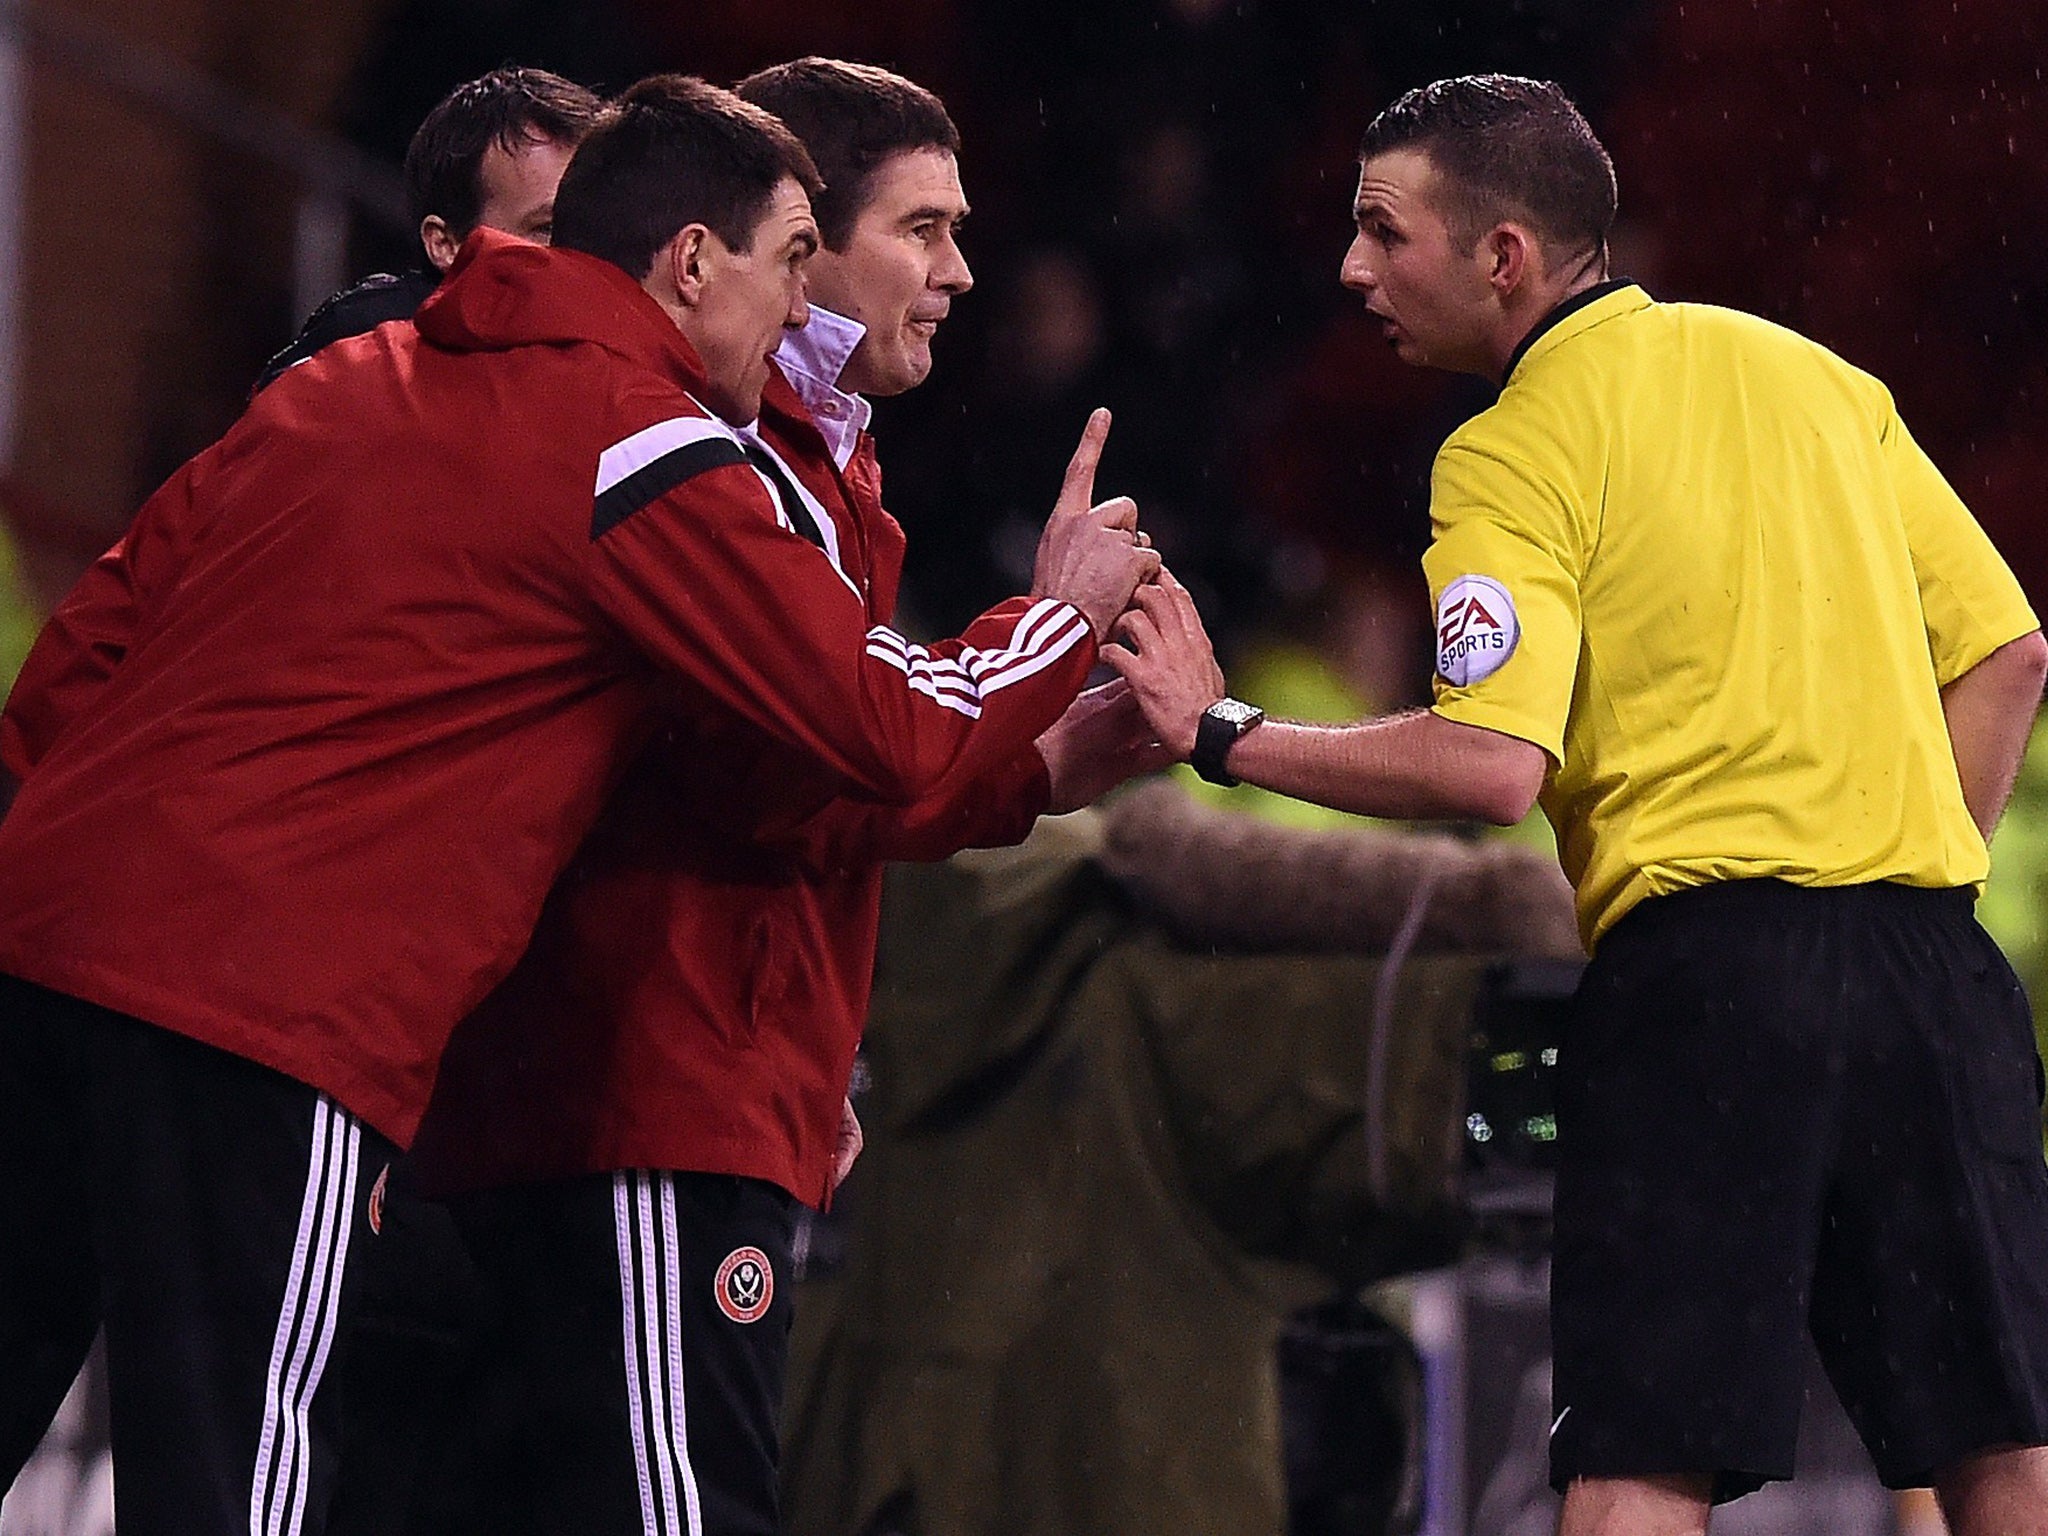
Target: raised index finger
[[1077, 491]]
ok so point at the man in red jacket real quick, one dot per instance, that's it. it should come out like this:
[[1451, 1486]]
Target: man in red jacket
[[627, 1126], [300, 769]]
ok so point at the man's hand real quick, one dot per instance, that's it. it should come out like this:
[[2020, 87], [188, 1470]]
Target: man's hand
[[1165, 655], [851, 1140], [1092, 556], [1102, 740]]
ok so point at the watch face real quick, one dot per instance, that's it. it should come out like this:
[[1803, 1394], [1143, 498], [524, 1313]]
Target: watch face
[[1236, 712]]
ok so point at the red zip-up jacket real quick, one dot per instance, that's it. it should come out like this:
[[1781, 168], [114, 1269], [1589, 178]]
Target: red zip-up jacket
[[695, 992], [303, 754]]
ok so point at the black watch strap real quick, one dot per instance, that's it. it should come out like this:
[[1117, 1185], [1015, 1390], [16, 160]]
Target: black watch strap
[[1222, 723]]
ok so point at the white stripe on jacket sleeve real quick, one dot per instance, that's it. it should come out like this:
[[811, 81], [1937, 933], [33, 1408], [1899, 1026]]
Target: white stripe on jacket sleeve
[[1044, 633]]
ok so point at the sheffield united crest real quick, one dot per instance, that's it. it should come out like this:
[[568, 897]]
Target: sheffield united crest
[[745, 1285]]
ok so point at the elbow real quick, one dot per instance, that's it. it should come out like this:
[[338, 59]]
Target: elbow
[[901, 785], [1506, 801], [1509, 775], [2030, 658], [904, 780]]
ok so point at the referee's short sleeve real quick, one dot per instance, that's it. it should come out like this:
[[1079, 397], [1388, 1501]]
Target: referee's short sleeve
[[1969, 597], [1504, 573]]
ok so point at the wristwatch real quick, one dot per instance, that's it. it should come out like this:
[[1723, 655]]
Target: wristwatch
[[1219, 728]]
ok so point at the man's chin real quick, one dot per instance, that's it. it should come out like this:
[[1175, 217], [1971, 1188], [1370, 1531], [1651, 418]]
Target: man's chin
[[909, 369]]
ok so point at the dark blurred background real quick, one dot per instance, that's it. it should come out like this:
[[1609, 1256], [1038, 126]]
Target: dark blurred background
[[1161, 198], [1161, 192]]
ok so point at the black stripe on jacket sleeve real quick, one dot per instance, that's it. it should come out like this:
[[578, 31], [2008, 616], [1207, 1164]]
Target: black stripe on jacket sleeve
[[652, 481]]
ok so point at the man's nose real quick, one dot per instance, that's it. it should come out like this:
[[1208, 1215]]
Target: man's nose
[[951, 274], [1356, 271]]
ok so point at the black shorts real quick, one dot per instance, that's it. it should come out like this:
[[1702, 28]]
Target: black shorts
[[631, 1379], [1783, 1109]]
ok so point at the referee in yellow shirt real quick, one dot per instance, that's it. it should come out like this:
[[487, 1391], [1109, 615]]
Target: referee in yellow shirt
[[1698, 590]]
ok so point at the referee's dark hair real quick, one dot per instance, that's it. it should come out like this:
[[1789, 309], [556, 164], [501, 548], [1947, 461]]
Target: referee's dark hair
[[853, 118], [1505, 147], [443, 164], [674, 151]]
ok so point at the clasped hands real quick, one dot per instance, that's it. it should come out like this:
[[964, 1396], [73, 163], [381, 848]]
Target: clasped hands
[[1095, 556]]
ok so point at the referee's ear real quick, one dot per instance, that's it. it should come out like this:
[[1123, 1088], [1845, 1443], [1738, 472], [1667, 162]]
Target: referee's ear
[[1513, 255]]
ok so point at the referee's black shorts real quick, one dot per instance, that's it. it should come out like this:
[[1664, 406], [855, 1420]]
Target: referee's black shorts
[[1779, 1109]]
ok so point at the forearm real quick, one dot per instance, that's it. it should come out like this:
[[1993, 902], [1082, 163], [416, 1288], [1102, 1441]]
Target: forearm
[[987, 810], [1416, 766], [1990, 710], [1403, 767]]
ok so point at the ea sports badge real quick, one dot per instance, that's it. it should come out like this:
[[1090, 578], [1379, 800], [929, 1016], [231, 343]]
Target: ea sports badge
[[1477, 630], [745, 1285]]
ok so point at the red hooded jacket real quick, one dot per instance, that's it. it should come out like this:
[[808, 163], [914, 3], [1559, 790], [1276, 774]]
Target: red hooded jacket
[[696, 989], [303, 754]]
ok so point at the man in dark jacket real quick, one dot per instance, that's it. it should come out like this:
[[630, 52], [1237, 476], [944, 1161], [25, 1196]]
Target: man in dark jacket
[[489, 156]]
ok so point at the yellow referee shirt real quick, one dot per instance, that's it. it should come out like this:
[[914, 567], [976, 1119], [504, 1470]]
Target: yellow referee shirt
[[1699, 561]]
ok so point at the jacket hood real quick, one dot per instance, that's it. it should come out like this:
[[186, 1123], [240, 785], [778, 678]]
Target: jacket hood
[[504, 292]]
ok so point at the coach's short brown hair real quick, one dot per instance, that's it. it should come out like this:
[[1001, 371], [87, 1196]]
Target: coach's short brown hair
[[670, 152], [853, 118], [506, 107], [1504, 147]]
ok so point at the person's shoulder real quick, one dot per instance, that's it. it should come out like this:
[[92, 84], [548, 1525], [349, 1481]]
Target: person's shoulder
[[1524, 422], [663, 443], [1762, 349], [374, 301], [1721, 320], [639, 397], [1740, 328], [379, 297]]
